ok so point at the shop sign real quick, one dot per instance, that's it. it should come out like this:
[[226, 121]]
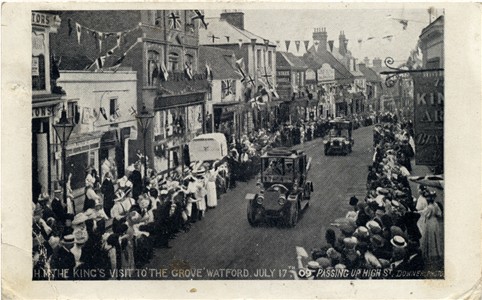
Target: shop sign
[[42, 19], [310, 75], [326, 72], [42, 112], [428, 121], [35, 66], [283, 74]]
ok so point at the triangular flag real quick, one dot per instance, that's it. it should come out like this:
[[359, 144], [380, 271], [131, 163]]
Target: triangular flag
[[297, 43], [164, 72], [307, 43], [330, 43], [78, 27], [266, 44], [188, 71], [287, 43], [119, 36], [316, 45], [227, 38], [209, 73], [70, 26], [240, 43], [101, 37]]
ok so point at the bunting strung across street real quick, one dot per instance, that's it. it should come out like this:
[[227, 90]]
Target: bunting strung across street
[[307, 43], [99, 36], [297, 43], [287, 43]]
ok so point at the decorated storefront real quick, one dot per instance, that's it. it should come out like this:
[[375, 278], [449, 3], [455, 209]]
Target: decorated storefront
[[177, 120]]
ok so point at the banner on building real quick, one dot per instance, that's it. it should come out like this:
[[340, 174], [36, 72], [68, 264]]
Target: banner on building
[[428, 117]]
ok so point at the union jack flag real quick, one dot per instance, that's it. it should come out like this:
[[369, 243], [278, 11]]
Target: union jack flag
[[174, 22], [227, 87]]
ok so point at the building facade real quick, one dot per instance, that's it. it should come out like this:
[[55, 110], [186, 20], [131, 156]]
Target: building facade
[[161, 46], [224, 104], [102, 106], [47, 99], [258, 62]]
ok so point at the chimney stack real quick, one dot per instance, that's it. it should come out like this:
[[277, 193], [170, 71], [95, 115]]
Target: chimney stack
[[320, 34], [342, 43], [367, 61], [377, 62], [235, 18]]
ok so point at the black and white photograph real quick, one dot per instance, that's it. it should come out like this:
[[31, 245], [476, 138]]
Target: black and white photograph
[[230, 144], [203, 144]]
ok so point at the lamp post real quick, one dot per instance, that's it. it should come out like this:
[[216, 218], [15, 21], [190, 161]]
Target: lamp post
[[144, 118], [63, 129]]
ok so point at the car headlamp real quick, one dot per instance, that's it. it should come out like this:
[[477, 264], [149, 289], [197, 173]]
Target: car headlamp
[[259, 199], [282, 200]]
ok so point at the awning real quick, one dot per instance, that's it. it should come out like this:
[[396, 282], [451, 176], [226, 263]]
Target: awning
[[84, 142], [231, 106]]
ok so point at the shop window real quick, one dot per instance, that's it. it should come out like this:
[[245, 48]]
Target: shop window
[[173, 64], [258, 58], [38, 73], [153, 67], [113, 109]]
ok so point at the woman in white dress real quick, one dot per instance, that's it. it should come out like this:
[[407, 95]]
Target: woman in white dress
[[210, 178]]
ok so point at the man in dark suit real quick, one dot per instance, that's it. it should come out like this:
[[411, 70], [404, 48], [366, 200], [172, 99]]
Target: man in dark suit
[[107, 189], [136, 179], [63, 261]]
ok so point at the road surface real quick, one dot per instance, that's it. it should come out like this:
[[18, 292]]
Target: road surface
[[224, 246]]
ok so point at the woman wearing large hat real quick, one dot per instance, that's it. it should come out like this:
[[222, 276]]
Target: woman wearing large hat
[[432, 237]]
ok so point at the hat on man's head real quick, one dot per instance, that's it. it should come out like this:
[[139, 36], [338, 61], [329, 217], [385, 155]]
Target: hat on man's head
[[377, 241], [324, 262], [350, 242], [361, 232], [347, 229], [374, 227], [68, 239], [353, 201], [313, 265], [398, 242]]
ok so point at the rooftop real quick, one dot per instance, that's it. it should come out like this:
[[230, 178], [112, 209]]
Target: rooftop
[[220, 62]]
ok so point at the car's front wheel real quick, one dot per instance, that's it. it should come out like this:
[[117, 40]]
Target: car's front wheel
[[292, 217], [252, 216]]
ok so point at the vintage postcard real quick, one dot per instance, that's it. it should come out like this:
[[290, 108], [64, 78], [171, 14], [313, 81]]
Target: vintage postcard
[[225, 150]]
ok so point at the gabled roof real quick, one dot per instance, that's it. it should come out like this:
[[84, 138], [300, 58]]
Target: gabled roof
[[316, 59], [370, 74], [220, 62], [222, 29], [289, 60]]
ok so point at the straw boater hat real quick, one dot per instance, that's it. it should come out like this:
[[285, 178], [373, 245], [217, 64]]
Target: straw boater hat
[[68, 239], [200, 171], [398, 242], [44, 197]]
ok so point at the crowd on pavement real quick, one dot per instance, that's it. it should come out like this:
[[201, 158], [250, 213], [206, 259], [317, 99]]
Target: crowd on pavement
[[121, 221], [390, 229]]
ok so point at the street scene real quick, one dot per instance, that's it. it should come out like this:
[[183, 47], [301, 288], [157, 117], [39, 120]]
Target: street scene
[[212, 145]]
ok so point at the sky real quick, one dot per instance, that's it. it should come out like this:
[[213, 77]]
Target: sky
[[356, 23]]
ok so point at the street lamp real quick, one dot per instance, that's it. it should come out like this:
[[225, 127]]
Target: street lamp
[[63, 129], [144, 118]]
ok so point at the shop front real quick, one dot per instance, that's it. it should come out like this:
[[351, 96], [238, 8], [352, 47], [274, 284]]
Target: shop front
[[177, 120], [228, 119]]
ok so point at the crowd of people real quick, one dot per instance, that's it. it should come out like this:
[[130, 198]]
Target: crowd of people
[[389, 229], [121, 222]]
